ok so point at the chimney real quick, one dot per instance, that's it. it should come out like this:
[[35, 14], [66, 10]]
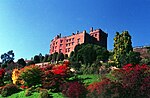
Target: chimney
[[77, 32], [84, 31], [91, 29]]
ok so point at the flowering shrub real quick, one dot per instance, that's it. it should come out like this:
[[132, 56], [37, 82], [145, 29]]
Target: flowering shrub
[[9, 89], [55, 75], [104, 89], [16, 77], [2, 72], [135, 80], [73, 90], [31, 75]]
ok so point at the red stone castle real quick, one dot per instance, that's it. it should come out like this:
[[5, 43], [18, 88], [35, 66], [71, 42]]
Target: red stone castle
[[67, 44]]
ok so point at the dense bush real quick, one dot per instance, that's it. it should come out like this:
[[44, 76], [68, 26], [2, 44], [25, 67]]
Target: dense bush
[[136, 81], [54, 76], [9, 89], [31, 75], [16, 77], [2, 72], [73, 90], [44, 93]]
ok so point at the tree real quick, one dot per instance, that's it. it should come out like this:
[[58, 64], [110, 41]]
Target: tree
[[89, 53], [7, 56], [60, 57], [46, 58], [122, 46], [55, 56], [41, 57], [66, 56], [50, 57], [36, 59], [21, 62]]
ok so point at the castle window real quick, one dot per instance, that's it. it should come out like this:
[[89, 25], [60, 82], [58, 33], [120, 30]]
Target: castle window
[[60, 50], [69, 44], [95, 35], [68, 49], [61, 41], [72, 39], [78, 40], [60, 45], [56, 43], [69, 39], [66, 45], [72, 43]]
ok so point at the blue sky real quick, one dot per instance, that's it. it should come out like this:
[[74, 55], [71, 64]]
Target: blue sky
[[28, 26]]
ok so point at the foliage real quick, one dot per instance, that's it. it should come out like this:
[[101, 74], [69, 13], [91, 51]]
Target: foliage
[[44, 93], [89, 53], [36, 59], [60, 57], [30, 63], [54, 57], [2, 72], [55, 75], [9, 89], [46, 58], [16, 77], [73, 90], [31, 75], [7, 56], [104, 89], [21, 62], [134, 79], [122, 46]]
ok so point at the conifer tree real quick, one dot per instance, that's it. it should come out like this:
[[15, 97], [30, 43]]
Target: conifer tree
[[122, 46]]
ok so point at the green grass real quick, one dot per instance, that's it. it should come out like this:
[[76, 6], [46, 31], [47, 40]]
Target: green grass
[[87, 79]]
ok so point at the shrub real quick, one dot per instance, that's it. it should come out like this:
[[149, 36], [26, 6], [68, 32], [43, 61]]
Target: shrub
[[55, 76], [9, 89], [31, 75], [135, 80], [73, 90], [16, 77], [2, 72], [44, 93], [104, 89]]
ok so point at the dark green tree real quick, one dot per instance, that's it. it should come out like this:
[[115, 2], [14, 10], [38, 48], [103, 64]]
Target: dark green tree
[[54, 57], [21, 62], [7, 56], [60, 57], [66, 56], [50, 57], [133, 58], [36, 59], [46, 58], [89, 53]]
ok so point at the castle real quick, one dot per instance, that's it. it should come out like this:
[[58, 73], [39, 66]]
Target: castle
[[67, 44]]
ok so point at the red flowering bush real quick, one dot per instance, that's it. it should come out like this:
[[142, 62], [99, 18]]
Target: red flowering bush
[[2, 72], [73, 90], [54, 76], [135, 80]]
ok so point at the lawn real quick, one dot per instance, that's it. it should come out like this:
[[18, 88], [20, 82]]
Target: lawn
[[87, 79]]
